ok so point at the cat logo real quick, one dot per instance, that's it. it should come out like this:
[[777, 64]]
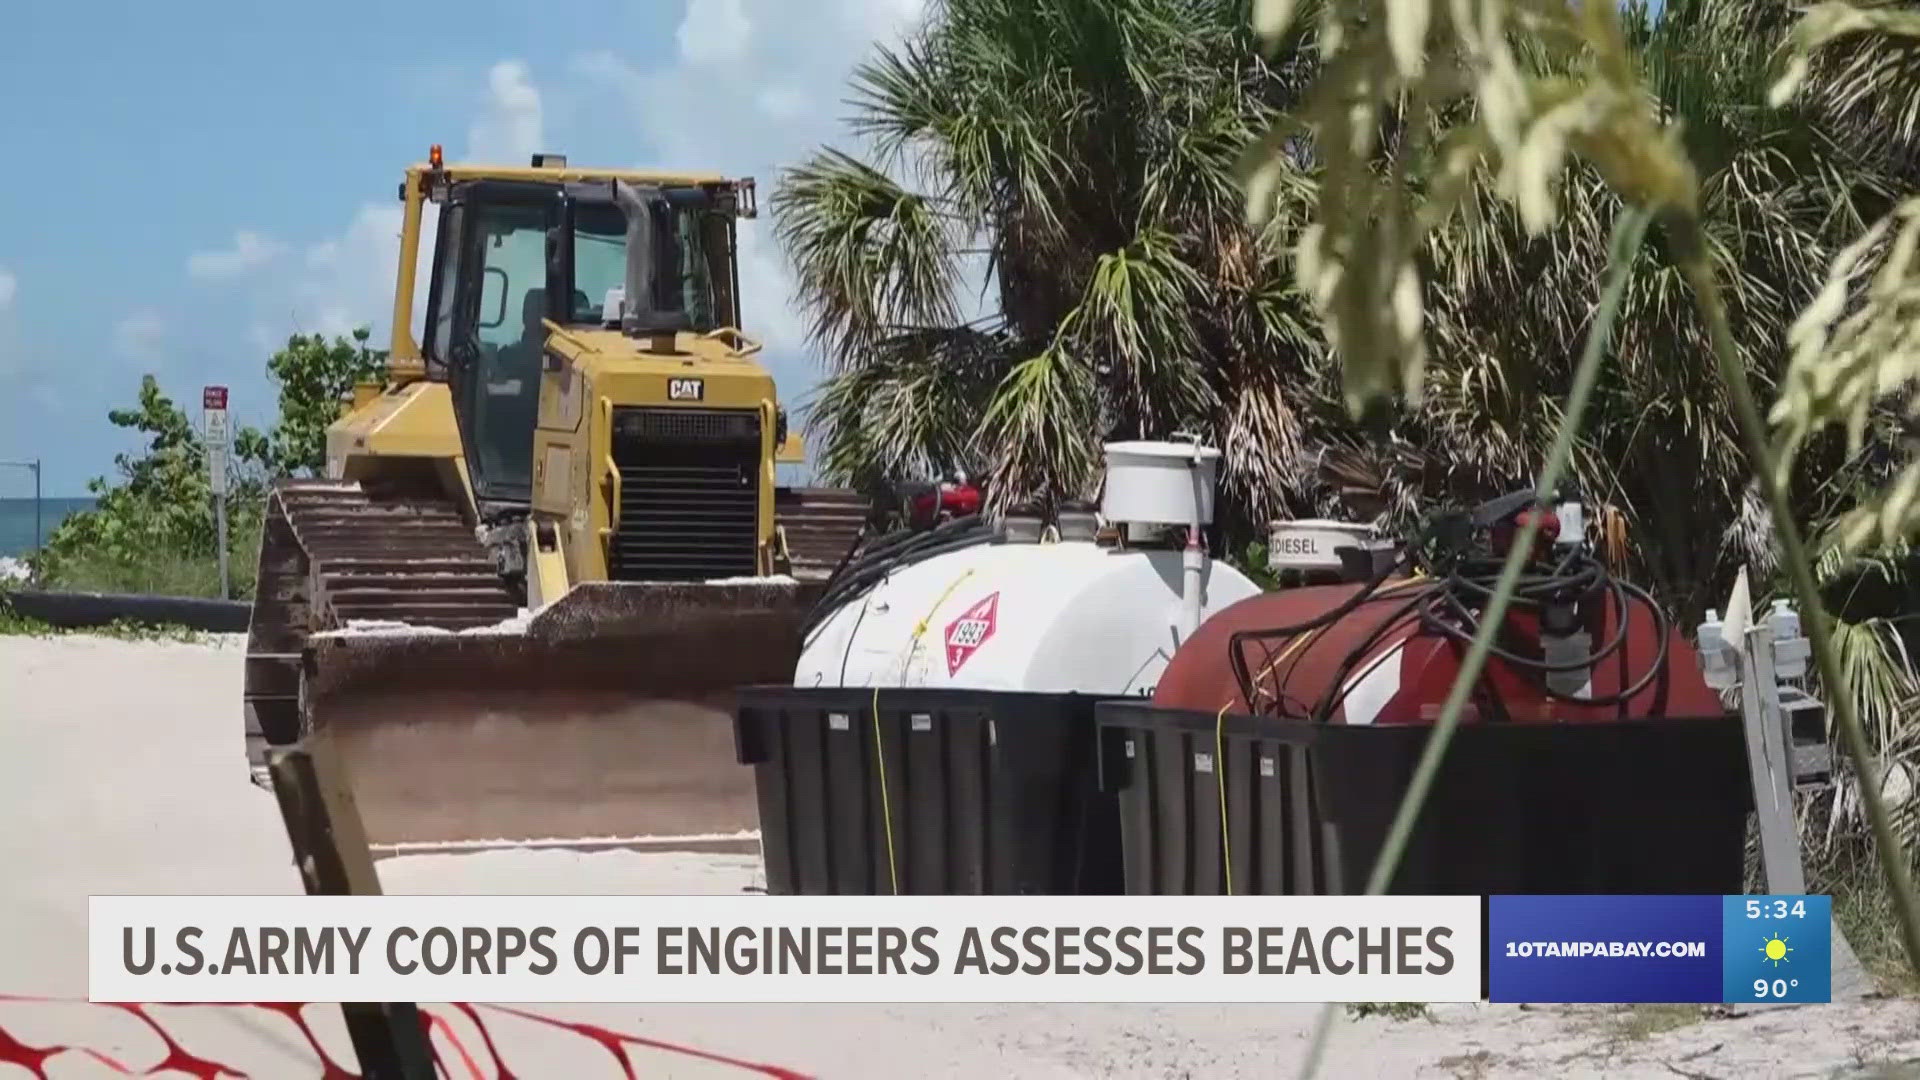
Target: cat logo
[[686, 389]]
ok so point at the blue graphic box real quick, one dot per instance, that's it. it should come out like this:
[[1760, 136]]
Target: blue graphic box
[[1535, 948], [1700, 949], [1777, 948]]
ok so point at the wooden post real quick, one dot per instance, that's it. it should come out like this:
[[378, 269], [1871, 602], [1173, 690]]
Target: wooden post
[[330, 846]]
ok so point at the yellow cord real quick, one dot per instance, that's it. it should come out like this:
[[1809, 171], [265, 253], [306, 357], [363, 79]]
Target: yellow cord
[[879, 743], [1220, 724], [921, 626], [1220, 785], [886, 805]]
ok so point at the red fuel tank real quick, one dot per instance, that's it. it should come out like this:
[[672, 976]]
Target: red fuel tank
[[1382, 663]]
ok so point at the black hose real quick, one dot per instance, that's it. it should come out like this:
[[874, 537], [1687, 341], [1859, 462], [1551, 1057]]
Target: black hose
[[1620, 590], [1465, 636], [1236, 652], [1337, 693], [1334, 694], [893, 542], [864, 582], [908, 540], [894, 545], [846, 556], [857, 577], [860, 578], [1463, 583], [1397, 618]]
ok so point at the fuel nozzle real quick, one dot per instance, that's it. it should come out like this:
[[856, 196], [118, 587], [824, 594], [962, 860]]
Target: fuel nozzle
[[1503, 534]]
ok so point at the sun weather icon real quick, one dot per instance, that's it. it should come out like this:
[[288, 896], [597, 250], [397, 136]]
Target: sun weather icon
[[1775, 948]]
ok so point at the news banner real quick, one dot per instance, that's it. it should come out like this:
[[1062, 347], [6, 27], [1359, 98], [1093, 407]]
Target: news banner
[[589, 949]]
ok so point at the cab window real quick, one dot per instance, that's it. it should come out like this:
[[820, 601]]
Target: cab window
[[505, 391], [599, 261], [683, 284]]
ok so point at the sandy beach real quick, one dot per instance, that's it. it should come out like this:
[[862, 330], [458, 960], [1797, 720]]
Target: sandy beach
[[121, 771]]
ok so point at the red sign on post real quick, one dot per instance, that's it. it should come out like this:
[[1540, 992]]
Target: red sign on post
[[970, 631], [213, 397]]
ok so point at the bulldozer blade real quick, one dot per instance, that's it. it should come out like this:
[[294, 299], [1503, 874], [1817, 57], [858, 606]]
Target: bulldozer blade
[[604, 718]]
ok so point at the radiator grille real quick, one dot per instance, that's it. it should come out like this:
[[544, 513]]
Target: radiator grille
[[704, 426], [689, 494]]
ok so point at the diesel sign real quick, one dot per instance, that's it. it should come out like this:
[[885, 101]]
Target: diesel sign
[[1312, 545]]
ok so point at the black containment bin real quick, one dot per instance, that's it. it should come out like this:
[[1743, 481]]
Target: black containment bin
[[989, 792], [1655, 806]]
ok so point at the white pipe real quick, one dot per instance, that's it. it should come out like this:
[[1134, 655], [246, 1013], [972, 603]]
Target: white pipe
[[1193, 560]]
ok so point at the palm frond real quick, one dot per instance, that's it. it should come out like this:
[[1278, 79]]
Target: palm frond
[[1135, 322], [868, 255], [908, 406], [1042, 427]]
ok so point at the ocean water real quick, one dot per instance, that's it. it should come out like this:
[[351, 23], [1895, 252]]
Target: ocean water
[[16, 521]]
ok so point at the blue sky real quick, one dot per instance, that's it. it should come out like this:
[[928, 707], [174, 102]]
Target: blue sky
[[191, 182]]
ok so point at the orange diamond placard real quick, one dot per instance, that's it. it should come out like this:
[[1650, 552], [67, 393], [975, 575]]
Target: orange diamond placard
[[970, 631]]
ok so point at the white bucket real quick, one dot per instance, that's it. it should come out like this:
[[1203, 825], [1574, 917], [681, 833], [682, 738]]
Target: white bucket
[[1160, 483]]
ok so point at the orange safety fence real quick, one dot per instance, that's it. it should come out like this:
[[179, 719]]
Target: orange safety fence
[[179, 1059]]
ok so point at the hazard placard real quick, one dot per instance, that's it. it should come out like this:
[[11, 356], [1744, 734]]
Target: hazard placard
[[970, 631]]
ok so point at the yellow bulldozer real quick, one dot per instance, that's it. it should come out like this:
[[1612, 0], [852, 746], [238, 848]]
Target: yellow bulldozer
[[551, 542]]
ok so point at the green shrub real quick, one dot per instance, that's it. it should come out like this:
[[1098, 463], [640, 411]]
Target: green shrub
[[152, 529]]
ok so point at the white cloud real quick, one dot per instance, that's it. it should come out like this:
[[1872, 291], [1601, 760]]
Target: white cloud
[[337, 284], [249, 252], [751, 127], [888, 17], [9, 285], [347, 281], [509, 130], [781, 102], [139, 335], [714, 32], [680, 116]]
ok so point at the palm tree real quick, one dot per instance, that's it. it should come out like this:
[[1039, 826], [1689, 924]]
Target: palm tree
[[1784, 190], [1087, 149]]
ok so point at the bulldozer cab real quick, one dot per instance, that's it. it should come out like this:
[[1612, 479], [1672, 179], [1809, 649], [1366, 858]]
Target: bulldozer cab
[[513, 254]]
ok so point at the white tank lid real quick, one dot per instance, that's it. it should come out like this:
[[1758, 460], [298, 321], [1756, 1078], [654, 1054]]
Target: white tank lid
[[1150, 448], [1313, 543], [1160, 483]]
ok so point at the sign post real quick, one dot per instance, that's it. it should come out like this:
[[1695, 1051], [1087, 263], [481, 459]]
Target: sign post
[[219, 439]]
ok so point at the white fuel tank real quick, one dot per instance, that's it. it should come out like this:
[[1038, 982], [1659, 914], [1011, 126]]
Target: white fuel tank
[[1062, 617]]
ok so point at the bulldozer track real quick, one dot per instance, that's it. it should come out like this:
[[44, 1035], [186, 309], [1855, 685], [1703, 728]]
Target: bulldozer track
[[334, 552], [819, 524], [390, 556]]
